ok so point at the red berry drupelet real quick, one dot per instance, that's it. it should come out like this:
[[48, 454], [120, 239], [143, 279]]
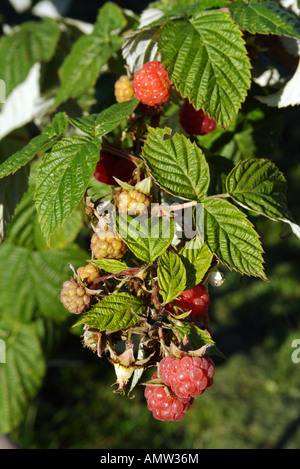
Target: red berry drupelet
[[151, 84], [195, 122], [74, 297], [164, 405], [187, 376], [195, 300]]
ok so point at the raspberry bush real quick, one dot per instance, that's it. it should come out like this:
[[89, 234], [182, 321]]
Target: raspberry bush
[[136, 206]]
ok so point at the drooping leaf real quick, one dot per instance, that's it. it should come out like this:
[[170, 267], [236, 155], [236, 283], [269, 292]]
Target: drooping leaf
[[37, 144], [231, 236], [176, 164], [171, 276], [146, 238], [207, 61], [32, 42], [62, 179], [114, 312], [267, 17], [22, 373], [196, 258]]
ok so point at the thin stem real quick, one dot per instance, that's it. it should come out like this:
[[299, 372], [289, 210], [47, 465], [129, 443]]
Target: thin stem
[[220, 196], [116, 151]]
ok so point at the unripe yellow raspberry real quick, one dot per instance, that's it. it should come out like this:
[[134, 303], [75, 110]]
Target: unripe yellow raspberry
[[133, 202], [88, 273], [107, 245], [123, 89]]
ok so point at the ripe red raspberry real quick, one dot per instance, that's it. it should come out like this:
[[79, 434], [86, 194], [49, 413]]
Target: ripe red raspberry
[[123, 89], [187, 376], [133, 202], [107, 245], [195, 300], [74, 297], [195, 122], [111, 165], [164, 405], [151, 84]]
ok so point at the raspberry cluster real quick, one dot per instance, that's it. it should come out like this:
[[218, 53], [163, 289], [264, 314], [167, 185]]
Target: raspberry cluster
[[183, 379], [183, 373], [195, 300], [151, 84]]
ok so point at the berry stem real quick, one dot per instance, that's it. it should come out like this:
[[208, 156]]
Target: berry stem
[[120, 153], [220, 196], [130, 271]]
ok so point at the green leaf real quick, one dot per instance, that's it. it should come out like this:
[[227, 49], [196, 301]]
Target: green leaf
[[111, 266], [58, 125], [267, 17], [110, 20], [40, 143], [171, 276], [198, 337], [207, 61], [22, 373], [176, 164], [89, 54], [86, 124], [231, 236], [196, 258], [146, 238], [112, 116], [32, 281], [24, 229], [186, 8], [62, 179], [114, 312], [32, 42], [258, 185]]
